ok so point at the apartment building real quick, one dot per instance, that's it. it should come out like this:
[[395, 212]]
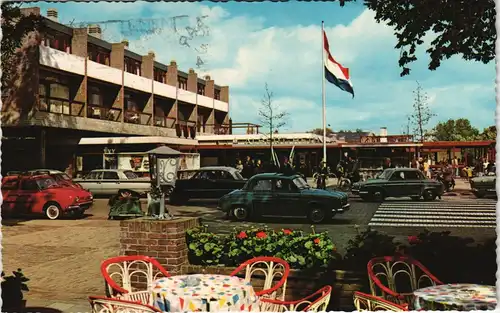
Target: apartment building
[[87, 87]]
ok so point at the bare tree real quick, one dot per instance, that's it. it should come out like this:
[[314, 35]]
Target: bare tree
[[271, 117], [422, 113]]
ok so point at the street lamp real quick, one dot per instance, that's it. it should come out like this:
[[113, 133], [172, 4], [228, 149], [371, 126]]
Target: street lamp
[[163, 165]]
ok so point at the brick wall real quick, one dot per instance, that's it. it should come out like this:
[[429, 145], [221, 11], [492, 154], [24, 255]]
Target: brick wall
[[165, 240], [302, 283]]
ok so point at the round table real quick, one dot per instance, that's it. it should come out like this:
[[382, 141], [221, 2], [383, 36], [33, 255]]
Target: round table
[[458, 297], [200, 292]]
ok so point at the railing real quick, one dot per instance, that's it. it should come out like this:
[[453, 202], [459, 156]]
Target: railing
[[136, 117], [60, 106], [217, 129], [388, 139], [185, 129], [103, 113], [165, 121]]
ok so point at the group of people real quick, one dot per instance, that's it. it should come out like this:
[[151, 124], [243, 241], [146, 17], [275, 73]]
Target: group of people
[[251, 167]]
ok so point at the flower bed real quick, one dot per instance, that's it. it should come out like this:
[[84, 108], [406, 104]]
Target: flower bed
[[300, 250]]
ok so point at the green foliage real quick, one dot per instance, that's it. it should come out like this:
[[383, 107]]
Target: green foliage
[[459, 27], [455, 130], [489, 133], [14, 29], [12, 289], [301, 251]]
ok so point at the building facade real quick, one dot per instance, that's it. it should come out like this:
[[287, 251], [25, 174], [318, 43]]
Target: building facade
[[79, 85]]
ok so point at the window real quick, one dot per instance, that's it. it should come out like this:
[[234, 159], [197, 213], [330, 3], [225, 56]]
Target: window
[[94, 175], [98, 54], [226, 175], [217, 94], [301, 183], [182, 83], [201, 89], [11, 184], [285, 185], [46, 183], [263, 185], [29, 185], [413, 175], [130, 175], [207, 175], [110, 175], [132, 66], [159, 75], [238, 176], [59, 98], [398, 175], [95, 96]]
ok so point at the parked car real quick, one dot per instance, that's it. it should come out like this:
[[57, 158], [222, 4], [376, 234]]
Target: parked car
[[60, 177], [210, 182], [398, 182], [484, 185], [280, 195], [111, 182], [41, 194]]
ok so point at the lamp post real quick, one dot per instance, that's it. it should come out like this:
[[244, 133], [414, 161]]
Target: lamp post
[[163, 165]]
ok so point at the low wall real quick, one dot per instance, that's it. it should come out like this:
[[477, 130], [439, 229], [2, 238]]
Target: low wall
[[166, 241]]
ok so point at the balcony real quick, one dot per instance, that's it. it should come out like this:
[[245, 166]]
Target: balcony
[[137, 117], [103, 113]]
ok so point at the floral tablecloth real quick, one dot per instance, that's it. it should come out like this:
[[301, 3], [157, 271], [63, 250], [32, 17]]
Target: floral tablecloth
[[199, 292], [460, 297]]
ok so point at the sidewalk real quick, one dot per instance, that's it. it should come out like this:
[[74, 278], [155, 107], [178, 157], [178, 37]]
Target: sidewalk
[[55, 306]]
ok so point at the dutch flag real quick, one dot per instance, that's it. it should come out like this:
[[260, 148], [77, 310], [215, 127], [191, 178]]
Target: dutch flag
[[334, 72]]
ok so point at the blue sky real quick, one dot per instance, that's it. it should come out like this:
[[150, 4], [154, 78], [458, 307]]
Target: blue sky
[[250, 44]]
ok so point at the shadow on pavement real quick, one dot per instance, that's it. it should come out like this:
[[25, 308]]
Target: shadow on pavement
[[35, 310], [15, 221]]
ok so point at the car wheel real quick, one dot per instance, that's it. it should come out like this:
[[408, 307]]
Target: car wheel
[[429, 195], [479, 194], [53, 211], [317, 215], [240, 213], [378, 196]]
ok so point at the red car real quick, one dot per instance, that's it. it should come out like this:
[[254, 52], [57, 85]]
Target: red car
[[60, 177], [41, 194]]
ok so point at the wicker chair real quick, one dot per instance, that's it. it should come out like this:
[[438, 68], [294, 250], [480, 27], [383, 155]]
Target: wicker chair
[[394, 278], [120, 272], [270, 267], [315, 302], [366, 302], [110, 305]]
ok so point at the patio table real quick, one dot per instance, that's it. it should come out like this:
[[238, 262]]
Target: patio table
[[207, 293], [459, 297]]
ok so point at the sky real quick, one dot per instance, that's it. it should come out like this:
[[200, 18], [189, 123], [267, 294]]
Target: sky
[[246, 45]]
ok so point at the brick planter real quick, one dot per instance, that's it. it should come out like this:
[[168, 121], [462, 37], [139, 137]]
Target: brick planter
[[165, 240], [303, 283]]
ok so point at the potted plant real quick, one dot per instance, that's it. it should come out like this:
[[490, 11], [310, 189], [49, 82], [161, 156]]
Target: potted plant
[[13, 288]]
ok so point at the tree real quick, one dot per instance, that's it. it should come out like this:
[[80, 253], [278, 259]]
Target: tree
[[455, 130], [422, 113], [319, 131], [271, 117], [462, 27], [15, 28], [489, 133], [356, 131]]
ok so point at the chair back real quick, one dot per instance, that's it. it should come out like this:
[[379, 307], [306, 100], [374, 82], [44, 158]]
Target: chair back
[[318, 301], [366, 302], [125, 274], [272, 269], [394, 278], [109, 305]]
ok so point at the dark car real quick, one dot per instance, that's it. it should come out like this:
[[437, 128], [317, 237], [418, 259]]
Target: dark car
[[398, 182], [210, 182], [280, 195], [484, 185]]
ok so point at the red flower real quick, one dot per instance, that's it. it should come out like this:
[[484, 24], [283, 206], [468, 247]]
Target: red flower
[[413, 239], [261, 235], [316, 241], [242, 235], [287, 231]]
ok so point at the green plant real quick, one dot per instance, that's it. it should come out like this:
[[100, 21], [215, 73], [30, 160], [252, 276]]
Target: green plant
[[12, 289], [204, 247]]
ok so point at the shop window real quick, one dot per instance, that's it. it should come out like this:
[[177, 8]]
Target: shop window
[[182, 83]]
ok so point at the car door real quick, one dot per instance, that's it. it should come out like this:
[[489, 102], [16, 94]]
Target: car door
[[110, 183], [413, 184], [26, 196], [198, 187], [92, 182], [264, 202], [223, 184], [288, 199], [395, 185]]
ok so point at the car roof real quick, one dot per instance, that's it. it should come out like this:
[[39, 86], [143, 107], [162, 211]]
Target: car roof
[[46, 170], [405, 169], [274, 175], [217, 168], [110, 170]]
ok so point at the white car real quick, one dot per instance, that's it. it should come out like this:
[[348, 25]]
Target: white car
[[110, 182]]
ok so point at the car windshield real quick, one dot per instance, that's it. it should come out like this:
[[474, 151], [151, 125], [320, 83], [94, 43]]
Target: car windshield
[[238, 176], [47, 183], [65, 177], [385, 174], [301, 183], [130, 175]]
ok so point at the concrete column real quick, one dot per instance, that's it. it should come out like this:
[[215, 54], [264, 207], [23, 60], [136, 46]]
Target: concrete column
[[209, 87], [172, 74], [118, 55], [147, 65], [224, 94], [192, 81]]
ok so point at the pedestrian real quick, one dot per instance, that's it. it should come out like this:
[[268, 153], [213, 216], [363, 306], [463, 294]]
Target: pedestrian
[[247, 168], [454, 163], [427, 173], [239, 166], [258, 167]]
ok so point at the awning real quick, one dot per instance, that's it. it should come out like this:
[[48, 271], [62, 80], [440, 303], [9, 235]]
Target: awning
[[137, 140]]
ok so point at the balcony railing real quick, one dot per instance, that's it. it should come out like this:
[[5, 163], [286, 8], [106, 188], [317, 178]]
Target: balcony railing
[[60, 106], [387, 139], [103, 113], [136, 117], [185, 129], [165, 121]]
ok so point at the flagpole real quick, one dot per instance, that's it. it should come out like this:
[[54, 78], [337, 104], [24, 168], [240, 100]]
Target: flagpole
[[323, 87]]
